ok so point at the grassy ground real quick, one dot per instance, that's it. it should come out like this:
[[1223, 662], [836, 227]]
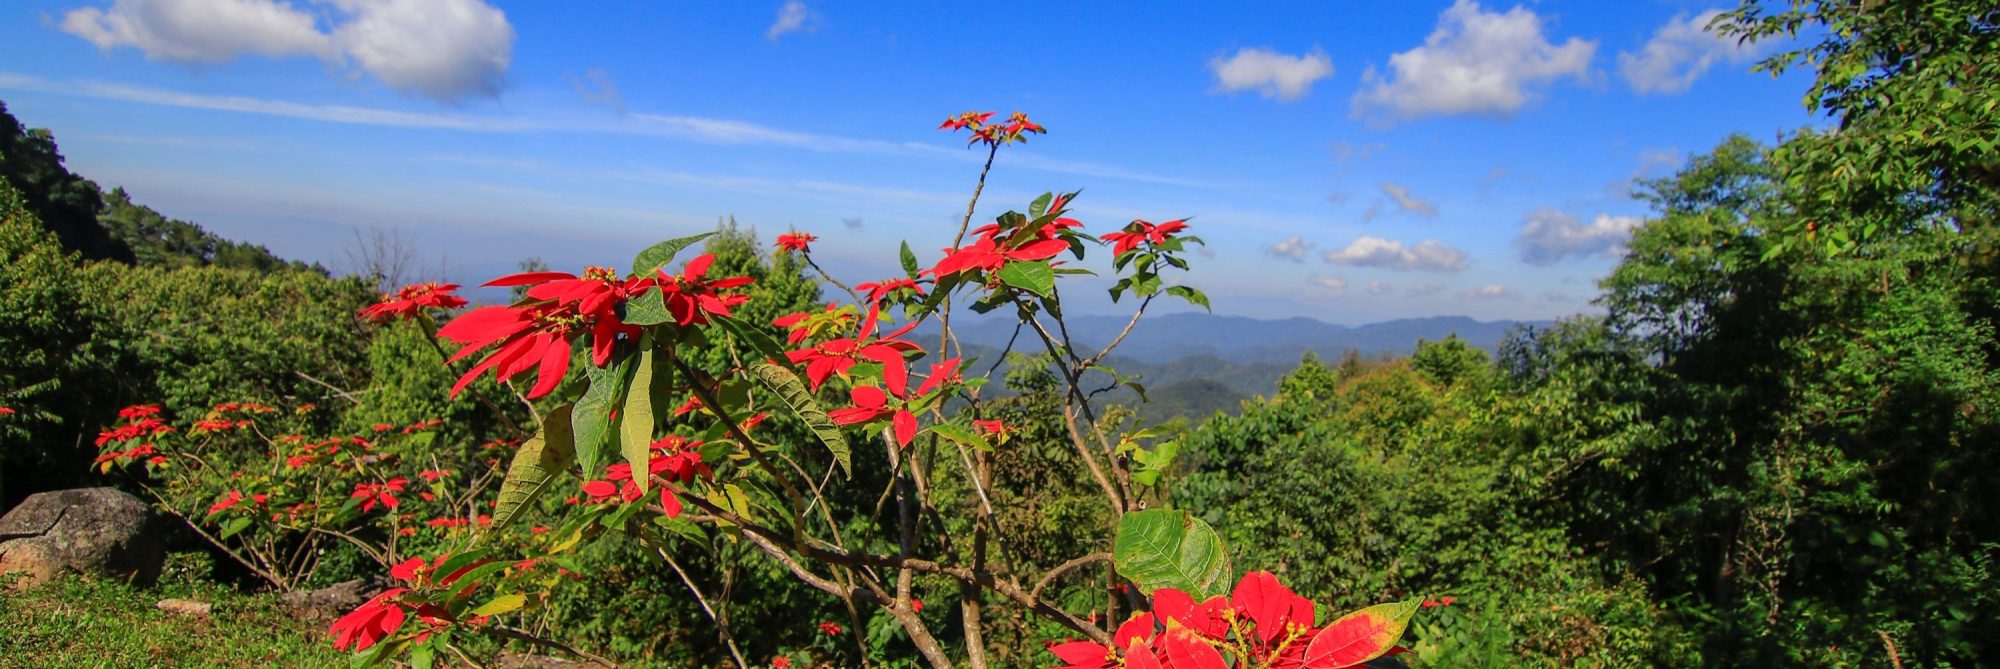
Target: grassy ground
[[74, 623]]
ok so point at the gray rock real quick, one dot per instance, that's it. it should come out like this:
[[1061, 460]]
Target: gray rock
[[99, 532], [338, 598]]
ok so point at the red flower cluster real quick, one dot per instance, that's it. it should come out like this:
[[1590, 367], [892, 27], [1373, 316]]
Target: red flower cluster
[[829, 628], [384, 493], [805, 324], [796, 241], [142, 421], [535, 333], [998, 245], [871, 403], [672, 458], [206, 425], [235, 497], [1140, 231], [1013, 130], [876, 290], [1261, 623], [836, 356], [412, 300]]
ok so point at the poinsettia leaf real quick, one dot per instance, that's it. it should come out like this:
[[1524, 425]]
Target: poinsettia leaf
[[646, 309], [658, 255], [757, 339], [590, 420], [1169, 548], [534, 468], [636, 420], [790, 390], [909, 259], [1193, 296], [1360, 636], [507, 603], [1040, 205], [958, 434], [1035, 277], [235, 525]]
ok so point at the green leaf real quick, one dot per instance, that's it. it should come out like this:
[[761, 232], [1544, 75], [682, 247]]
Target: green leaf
[[1192, 296], [910, 266], [658, 255], [535, 466], [421, 657], [591, 418], [787, 386], [959, 435], [636, 422], [647, 309], [1040, 205], [1035, 277], [237, 524], [503, 604], [1153, 462], [757, 339], [1168, 548]]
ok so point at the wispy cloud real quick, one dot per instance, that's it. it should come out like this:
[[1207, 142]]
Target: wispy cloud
[[1407, 201], [793, 17], [663, 126], [1680, 52], [1293, 248], [1427, 256]]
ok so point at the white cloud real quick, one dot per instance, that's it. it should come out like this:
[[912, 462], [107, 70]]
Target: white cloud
[[1475, 62], [1293, 248], [1271, 74], [1379, 288], [1426, 256], [596, 86], [1425, 290], [1333, 285], [793, 17], [201, 31], [1679, 53], [1408, 202], [1552, 235], [1491, 291], [443, 49]]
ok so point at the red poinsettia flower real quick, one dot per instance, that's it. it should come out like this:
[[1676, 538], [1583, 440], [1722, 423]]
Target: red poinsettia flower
[[369, 623], [231, 499], [383, 493], [802, 325], [876, 290], [836, 356], [413, 299], [535, 334], [4, 411], [1139, 231], [965, 119], [692, 298], [796, 241], [830, 628], [673, 458]]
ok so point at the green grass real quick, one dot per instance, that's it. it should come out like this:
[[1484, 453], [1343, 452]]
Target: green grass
[[80, 623]]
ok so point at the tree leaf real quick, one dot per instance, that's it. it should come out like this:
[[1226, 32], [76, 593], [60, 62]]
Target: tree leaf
[[1360, 636], [1035, 277], [535, 466], [787, 386], [646, 309], [910, 266], [636, 421], [1169, 548], [658, 255], [507, 603], [237, 524], [590, 420]]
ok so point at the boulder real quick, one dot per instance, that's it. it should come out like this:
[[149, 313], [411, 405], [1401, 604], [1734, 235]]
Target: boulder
[[98, 532], [338, 598]]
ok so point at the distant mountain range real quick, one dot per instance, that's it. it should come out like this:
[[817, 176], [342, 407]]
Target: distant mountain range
[[1170, 337], [1196, 364]]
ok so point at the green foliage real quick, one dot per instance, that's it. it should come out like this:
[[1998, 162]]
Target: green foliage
[[64, 203], [48, 373], [164, 242], [72, 623]]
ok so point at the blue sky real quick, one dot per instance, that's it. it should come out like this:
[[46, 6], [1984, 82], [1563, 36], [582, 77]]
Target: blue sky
[[1352, 162]]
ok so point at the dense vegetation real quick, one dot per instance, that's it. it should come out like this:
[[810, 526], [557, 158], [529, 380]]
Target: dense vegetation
[[1771, 448]]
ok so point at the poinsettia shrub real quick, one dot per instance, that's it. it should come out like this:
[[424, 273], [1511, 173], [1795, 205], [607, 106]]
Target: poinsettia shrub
[[856, 454]]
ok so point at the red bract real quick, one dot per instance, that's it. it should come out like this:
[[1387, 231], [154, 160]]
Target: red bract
[[836, 356], [1013, 130], [536, 333], [876, 290], [672, 459], [4, 411], [871, 404], [1140, 231], [369, 623], [231, 499], [804, 324], [412, 300], [796, 241], [138, 411], [692, 298], [830, 628], [372, 494], [1261, 625]]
